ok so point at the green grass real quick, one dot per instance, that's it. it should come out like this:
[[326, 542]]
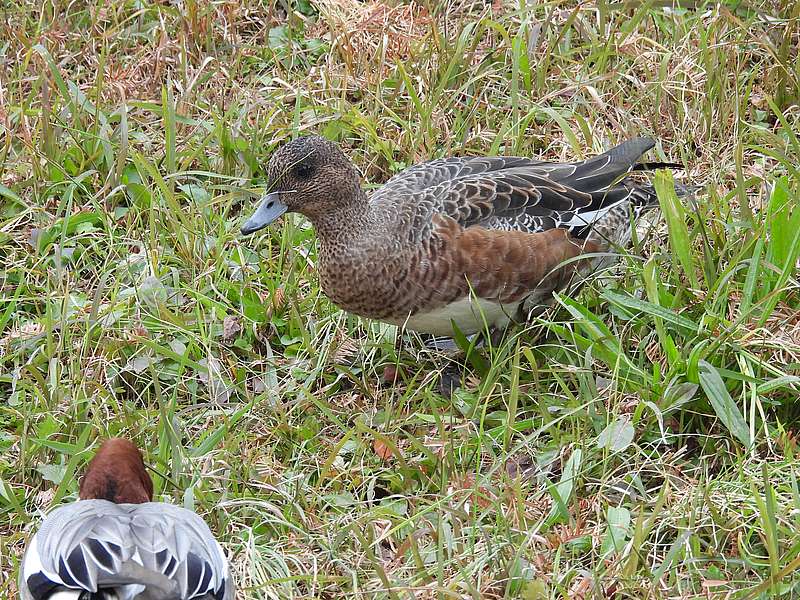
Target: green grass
[[638, 441]]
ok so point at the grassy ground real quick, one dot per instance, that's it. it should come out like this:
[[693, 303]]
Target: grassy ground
[[636, 442]]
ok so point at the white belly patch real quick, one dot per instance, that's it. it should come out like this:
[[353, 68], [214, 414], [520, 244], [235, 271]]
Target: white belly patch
[[470, 315]]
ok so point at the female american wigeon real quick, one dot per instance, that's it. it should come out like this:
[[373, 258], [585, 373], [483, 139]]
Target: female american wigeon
[[116, 544], [472, 241]]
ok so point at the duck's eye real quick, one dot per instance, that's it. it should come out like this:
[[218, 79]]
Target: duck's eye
[[303, 170]]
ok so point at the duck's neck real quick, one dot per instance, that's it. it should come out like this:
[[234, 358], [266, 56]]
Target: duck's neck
[[120, 488], [348, 223]]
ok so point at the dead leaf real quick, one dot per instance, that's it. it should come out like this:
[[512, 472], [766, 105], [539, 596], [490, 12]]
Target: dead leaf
[[481, 495], [523, 465], [258, 385], [45, 498], [278, 300], [139, 331], [231, 328], [383, 450], [406, 545], [611, 590], [580, 588], [392, 374]]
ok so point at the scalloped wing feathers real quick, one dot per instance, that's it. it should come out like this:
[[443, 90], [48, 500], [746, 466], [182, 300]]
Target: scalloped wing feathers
[[519, 194]]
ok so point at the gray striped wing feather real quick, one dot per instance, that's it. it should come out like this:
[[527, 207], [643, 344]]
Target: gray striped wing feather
[[95, 543], [517, 193]]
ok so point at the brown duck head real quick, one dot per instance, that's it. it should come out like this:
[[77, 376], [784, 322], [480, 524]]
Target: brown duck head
[[311, 176], [117, 474]]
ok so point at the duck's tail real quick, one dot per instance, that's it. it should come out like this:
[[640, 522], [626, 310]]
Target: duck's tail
[[137, 582], [615, 227]]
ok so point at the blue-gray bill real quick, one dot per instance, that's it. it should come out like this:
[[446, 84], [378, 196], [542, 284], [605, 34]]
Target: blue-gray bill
[[269, 209]]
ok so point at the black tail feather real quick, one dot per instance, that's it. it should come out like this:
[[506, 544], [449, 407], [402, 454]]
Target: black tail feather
[[650, 166]]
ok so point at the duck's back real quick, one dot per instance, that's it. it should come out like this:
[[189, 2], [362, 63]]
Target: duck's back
[[136, 550], [514, 193]]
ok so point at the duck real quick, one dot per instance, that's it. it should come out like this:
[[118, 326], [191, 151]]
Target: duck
[[115, 543], [467, 243]]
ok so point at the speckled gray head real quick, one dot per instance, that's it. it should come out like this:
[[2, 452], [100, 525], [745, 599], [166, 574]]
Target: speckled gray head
[[309, 175]]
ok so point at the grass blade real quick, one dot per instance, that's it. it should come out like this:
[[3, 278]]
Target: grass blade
[[675, 215], [722, 403]]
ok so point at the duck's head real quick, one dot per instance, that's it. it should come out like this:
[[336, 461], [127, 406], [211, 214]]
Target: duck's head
[[117, 474], [309, 175]]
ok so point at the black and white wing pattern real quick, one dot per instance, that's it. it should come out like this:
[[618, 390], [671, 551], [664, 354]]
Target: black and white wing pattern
[[153, 549], [514, 193]]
